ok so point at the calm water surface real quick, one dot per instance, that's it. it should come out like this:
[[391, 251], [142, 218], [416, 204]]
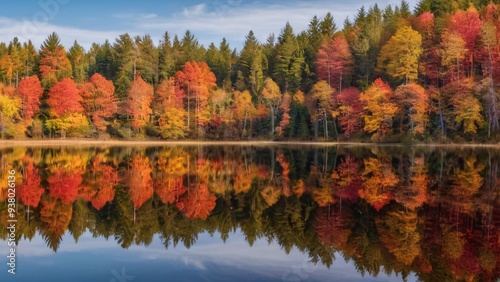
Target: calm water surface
[[242, 213]]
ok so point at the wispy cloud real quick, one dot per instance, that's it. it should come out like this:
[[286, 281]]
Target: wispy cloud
[[135, 16], [194, 11], [212, 22], [38, 32], [233, 19]]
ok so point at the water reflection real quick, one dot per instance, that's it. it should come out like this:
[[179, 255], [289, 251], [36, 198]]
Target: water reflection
[[387, 209]]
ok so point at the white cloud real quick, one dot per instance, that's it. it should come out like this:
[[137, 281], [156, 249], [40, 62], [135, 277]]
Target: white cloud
[[135, 16], [38, 32], [194, 11], [211, 23], [149, 16]]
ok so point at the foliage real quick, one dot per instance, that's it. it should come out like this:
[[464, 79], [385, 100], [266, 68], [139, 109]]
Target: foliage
[[9, 112], [413, 103], [140, 96], [399, 57], [379, 110], [322, 95], [170, 110], [54, 64], [176, 89], [334, 62], [30, 91], [394, 209], [64, 98], [73, 124], [196, 80], [350, 111], [98, 100]]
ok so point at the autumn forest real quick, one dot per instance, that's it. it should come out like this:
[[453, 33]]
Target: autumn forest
[[388, 75]]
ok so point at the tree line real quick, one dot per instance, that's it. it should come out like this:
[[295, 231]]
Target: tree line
[[388, 75]]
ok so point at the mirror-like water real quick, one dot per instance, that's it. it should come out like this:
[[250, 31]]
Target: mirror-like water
[[250, 213]]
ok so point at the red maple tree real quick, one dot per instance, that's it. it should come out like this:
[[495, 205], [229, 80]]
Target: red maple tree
[[30, 190], [139, 181], [140, 96], [65, 98], [30, 90], [196, 80], [99, 100], [99, 186], [334, 61], [197, 202], [64, 186], [351, 110], [467, 24]]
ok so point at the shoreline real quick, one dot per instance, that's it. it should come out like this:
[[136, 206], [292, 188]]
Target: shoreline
[[256, 143]]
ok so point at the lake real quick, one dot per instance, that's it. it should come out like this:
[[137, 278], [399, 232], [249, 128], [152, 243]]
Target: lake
[[250, 213]]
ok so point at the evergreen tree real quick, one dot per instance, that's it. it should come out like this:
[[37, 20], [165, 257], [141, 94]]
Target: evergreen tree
[[252, 64], [54, 65], [191, 50], [166, 58], [147, 59], [289, 61], [77, 57]]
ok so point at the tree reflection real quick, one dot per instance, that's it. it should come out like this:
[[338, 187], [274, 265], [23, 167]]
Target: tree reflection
[[435, 213]]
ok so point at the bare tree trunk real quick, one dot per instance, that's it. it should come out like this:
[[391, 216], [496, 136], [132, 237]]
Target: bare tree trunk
[[492, 100], [189, 109], [3, 125], [441, 122], [326, 126], [315, 125], [272, 119]]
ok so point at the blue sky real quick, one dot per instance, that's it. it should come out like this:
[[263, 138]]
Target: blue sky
[[210, 21], [98, 259]]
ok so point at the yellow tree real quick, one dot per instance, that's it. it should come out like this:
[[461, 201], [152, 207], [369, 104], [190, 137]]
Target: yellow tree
[[399, 233], [171, 169], [413, 194], [466, 108], [467, 181], [322, 93], [399, 56], [6, 67], [379, 111], [413, 103], [9, 110], [452, 55], [244, 109], [271, 95], [378, 180], [169, 108]]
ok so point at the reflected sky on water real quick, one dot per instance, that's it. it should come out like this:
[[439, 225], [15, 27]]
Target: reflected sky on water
[[98, 259]]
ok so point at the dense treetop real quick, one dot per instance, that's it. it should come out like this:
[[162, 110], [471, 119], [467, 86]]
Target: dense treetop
[[389, 74]]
